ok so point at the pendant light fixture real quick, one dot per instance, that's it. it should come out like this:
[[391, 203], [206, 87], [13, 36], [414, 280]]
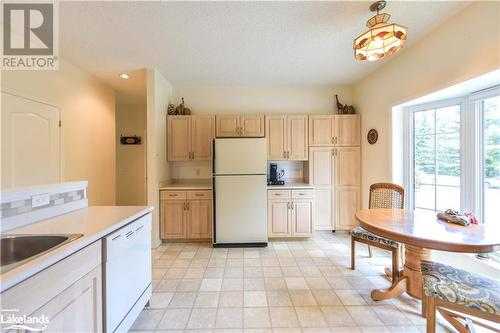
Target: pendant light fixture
[[382, 39]]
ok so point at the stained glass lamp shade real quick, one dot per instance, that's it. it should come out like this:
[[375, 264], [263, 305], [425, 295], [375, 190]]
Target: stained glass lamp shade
[[382, 39]]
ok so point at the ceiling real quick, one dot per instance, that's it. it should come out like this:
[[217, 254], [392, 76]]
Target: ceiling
[[231, 43]]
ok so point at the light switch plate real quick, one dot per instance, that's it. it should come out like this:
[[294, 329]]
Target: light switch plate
[[40, 200]]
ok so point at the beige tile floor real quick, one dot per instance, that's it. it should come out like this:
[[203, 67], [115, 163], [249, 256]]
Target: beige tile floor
[[290, 286]]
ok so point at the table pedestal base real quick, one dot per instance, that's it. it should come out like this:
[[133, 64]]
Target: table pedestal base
[[411, 278]]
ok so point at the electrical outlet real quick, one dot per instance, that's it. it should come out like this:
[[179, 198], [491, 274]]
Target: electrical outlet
[[40, 200], [197, 172]]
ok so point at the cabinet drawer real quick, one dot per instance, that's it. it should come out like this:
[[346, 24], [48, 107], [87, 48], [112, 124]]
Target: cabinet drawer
[[199, 195], [278, 194], [302, 194], [173, 195]]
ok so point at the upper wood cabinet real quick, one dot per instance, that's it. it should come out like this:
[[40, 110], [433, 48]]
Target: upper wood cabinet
[[321, 130], [202, 134], [334, 130], [251, 126], [179, 138], [347, 130], [287, 137], [189, 138]]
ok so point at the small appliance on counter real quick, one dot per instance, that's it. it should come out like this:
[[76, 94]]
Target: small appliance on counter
[[274, 176]]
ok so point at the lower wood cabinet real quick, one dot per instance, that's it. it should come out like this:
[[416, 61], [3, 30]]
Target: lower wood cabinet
[[69, 293], [290, 213], [186, 214]]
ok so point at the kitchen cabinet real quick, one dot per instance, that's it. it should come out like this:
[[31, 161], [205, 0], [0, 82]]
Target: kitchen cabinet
[[69, 293], [189, 138], [334, 130], [287, 137], [251, 126], [186, 214], [290, 213], [335, 173]]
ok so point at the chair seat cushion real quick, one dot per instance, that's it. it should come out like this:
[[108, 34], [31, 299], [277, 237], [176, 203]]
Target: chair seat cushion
[[461, 287], [366, 235]]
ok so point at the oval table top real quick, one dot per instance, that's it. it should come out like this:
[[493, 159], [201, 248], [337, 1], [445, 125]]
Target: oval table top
[[424, 229]]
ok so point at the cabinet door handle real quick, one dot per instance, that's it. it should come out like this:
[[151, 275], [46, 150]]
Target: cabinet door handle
[[292, 205], [288, 205], [198, 195], [333, 139], [187, 205], [284, 154], [192, 155]]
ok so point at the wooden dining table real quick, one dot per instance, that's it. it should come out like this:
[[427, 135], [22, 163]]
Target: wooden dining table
[[421, 231]]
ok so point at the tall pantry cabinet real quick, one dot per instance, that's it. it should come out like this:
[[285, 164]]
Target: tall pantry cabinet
[[335, 169]]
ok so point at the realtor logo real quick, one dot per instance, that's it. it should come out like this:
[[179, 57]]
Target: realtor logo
[[29, 35]]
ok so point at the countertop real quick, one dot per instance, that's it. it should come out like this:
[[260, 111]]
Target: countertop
[[289, 186], [188, 185], [93, 222]]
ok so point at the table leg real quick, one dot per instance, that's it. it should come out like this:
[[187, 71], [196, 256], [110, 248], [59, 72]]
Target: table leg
[[411, 277], [413, 256]]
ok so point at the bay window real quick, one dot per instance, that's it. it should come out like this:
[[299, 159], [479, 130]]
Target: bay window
[[452, 154]]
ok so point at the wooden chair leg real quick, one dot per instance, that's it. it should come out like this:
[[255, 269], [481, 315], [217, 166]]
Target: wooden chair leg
[[353, 253], [369, 251], [430, 314], [395, 265]]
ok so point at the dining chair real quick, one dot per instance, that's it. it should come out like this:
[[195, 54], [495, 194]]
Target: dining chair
[[448, 288], [382, 195]]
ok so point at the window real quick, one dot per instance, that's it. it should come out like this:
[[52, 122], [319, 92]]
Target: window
[[452, 154], [489, 109], [436, 158]]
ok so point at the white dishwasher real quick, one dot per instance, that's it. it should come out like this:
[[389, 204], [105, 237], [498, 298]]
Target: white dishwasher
[[127, 274]]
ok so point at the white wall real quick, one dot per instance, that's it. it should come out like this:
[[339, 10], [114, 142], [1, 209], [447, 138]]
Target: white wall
[[88, 123], [130, 159], [262, 99], [159, 92], [465, 46]]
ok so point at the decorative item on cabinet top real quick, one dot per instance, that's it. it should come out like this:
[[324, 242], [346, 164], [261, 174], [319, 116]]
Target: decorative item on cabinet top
[[344, 109], [130, 140], [179, 110]]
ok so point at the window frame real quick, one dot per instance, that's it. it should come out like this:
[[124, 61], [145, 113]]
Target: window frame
[[471, 147], [409, 155]]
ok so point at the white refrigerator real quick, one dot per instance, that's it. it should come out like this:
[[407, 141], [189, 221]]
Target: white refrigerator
[[240, 192]]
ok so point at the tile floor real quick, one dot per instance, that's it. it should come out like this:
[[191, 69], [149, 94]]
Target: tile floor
[[292, 286]]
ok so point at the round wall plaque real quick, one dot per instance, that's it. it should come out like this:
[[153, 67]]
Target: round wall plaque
[[372, 136]]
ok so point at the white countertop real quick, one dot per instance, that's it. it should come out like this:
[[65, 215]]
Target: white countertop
[[188, 185], [289, 186], [93, 222]]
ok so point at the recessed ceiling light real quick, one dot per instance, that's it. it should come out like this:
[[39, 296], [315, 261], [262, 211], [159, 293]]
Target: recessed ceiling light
[[125, 76]]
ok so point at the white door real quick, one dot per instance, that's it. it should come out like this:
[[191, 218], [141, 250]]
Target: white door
[[30, 142]]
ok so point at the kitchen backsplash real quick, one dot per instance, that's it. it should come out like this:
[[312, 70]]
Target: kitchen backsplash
[[191, 170], [294, 170], [27, 205]]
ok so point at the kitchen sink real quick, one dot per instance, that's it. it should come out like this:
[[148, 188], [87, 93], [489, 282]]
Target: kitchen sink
[[18, 249]]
